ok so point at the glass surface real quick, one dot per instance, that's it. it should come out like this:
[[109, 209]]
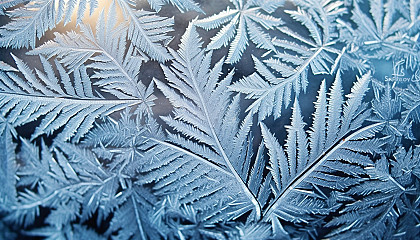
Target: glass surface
[[195, 119]]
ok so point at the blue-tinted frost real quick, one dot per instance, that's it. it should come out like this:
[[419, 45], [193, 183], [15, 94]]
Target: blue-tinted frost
[[262, 120]]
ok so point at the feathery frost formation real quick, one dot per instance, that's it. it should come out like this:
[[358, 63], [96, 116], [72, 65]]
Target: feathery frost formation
[[187, 119]]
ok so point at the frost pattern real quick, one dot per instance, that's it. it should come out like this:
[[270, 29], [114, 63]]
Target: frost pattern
[[262, 120]]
